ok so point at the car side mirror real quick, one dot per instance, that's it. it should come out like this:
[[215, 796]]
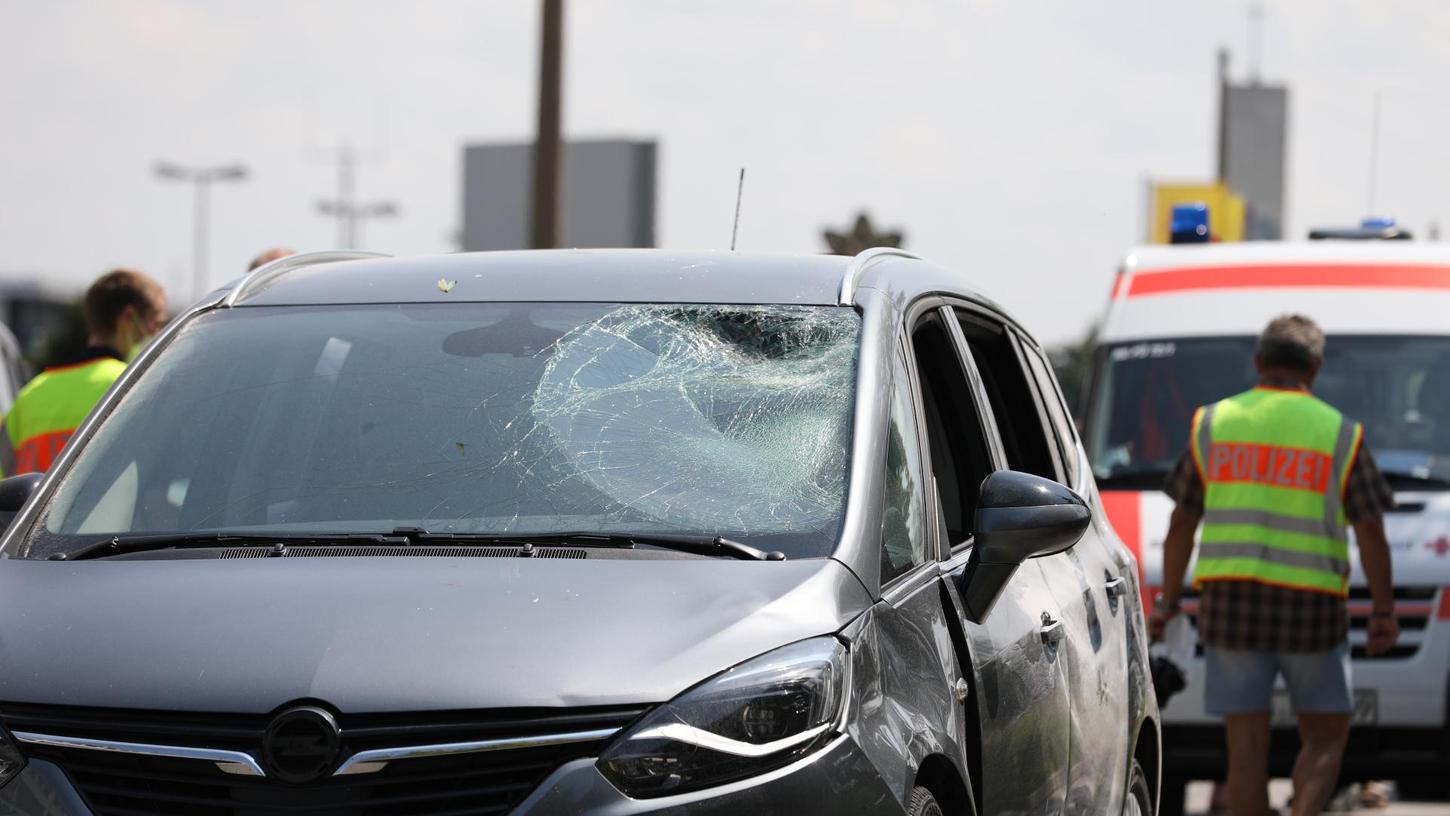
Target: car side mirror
[[1019, 516], [15, 491]]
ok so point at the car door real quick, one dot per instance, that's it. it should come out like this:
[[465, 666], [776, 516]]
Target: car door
[[1019, 703], [1097, 568], [1084, 580], [909, 645]]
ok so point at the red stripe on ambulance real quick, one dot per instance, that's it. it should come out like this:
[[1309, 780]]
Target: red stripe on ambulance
[[1271, 276]]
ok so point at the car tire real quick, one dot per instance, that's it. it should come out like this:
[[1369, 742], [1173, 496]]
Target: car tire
[[1138, 799], [922, 803], [1171, 795]]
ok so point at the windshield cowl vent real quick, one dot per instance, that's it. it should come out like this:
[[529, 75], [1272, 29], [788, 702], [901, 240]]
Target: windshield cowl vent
[[404, 552]]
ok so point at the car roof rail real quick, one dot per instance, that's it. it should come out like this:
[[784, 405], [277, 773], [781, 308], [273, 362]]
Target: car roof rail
[[858, 265], [266, 273]]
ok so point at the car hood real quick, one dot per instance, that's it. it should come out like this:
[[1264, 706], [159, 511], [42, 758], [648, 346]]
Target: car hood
[[398, 634]]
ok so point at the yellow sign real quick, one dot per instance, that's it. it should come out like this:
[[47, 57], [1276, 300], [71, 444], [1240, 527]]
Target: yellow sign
[[1225, 210]]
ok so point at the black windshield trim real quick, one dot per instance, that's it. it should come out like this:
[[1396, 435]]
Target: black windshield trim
[[715, 546]]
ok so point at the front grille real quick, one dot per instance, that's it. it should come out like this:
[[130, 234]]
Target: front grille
[[472, 784], [1402, 594], [1414, 608]]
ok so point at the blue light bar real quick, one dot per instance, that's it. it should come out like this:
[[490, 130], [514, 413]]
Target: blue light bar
[[1189, 224], [1376, 222]]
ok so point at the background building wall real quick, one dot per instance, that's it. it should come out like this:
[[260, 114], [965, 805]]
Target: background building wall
[[1255, 133], [609, 194]]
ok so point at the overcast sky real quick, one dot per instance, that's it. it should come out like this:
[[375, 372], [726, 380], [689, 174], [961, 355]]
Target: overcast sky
[[1010, 139]]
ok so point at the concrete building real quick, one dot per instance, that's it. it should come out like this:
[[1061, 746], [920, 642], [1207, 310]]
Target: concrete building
[[1254, 153], [608, 194]]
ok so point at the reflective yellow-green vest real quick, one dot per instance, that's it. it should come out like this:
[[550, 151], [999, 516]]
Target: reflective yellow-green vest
[[1274, 465], [48, 410]]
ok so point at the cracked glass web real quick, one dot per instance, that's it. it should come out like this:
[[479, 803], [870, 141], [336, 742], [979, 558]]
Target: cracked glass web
[[700, 417]]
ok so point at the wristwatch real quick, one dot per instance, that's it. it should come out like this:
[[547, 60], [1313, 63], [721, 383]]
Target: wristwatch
[[1162, 604]]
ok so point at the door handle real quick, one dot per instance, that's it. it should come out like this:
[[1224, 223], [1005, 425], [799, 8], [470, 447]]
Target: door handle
[[1117, 588], [1051, 631]]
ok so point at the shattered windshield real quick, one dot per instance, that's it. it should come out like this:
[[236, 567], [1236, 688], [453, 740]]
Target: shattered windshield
[[1399, 387], [469, 417]]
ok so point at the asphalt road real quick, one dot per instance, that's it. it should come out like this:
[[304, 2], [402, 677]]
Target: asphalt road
[[1280, 789]]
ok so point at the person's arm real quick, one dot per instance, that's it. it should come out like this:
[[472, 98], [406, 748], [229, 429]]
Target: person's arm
[[1177, 550], [1374, 558], [1185, 488], [1367, 497]]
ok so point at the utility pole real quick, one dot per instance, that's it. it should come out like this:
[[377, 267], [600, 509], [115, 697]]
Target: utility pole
[[345, 207], [201, 179], [545, 223]]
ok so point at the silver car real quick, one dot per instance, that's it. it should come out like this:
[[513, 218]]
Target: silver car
[[576, 532]]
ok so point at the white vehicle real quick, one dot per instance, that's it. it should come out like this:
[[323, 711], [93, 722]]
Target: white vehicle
[[1180, 332]]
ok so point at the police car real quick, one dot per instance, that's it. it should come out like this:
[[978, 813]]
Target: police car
[[1179, 332]]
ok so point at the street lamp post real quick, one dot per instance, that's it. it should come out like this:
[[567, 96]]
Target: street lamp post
[[349, 212], [350, 215], [201, 179]]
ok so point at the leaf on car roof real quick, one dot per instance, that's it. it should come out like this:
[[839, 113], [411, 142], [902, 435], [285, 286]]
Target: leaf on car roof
[[445, 285]]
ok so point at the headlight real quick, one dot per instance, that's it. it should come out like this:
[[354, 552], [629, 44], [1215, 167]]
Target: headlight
[[758, 716], [11, 760]]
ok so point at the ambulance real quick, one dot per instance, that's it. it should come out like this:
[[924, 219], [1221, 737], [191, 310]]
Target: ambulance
[[1179, 332]]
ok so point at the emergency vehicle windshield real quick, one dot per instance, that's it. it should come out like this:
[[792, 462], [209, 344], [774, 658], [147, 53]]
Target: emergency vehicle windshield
[[1145, 394], [479, 418]]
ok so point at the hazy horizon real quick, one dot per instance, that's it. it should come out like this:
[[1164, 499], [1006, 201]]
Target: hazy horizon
[[1011, 140]]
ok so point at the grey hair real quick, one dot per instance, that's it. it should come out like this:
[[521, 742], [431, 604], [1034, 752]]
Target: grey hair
[[1292, 341]]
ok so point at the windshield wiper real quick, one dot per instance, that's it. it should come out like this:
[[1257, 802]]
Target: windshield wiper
[[120, 545], [1415, 479], [701, 545], [718, 546]]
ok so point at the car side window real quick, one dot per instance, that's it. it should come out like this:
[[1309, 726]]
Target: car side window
[[960, 456], [903, 511], [1056, 406], [1021, 423]]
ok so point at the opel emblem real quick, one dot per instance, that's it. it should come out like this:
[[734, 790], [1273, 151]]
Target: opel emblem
[[301, 744]]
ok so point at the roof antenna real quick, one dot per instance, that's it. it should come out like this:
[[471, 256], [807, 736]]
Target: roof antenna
[[1256, 40], [739, 191]]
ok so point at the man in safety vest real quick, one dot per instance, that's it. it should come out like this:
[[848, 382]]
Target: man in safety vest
[[1276, 476], [123, 308]]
